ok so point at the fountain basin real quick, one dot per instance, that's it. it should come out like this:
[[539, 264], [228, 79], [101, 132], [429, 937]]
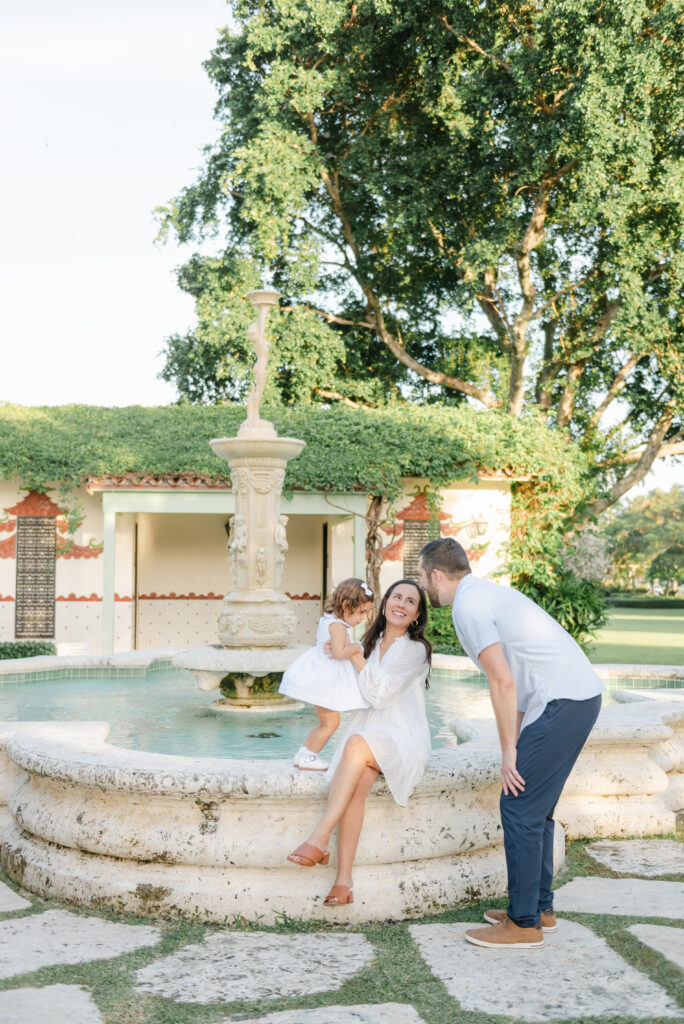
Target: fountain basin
[[207, 837], [257, 444], [212, 666]]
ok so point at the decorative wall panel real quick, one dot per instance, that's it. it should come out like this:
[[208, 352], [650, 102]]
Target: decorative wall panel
[[35, 594], [416, 536]]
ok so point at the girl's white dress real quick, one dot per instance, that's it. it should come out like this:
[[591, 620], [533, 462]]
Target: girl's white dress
[[395, 725], [317, 678]]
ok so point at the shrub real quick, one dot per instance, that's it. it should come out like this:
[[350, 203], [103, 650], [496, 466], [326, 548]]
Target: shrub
[[25, 649], [579, 605], [440, 631]]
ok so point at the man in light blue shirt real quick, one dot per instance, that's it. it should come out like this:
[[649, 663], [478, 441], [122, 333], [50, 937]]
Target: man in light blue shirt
[[546, 698]]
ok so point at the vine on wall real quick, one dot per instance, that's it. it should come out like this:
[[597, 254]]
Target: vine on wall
[[371, 450]]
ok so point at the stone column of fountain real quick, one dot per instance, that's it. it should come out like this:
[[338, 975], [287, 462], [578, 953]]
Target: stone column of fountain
[[257, 622]]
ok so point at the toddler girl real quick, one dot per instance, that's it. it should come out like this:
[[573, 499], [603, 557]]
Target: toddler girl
[[329, 682]]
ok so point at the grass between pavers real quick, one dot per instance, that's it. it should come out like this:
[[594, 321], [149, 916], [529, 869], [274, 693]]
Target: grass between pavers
[[397, 974], [641, 636]]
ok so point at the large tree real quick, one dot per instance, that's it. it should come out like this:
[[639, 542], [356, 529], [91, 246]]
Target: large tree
[[458, 200], [645, 538]]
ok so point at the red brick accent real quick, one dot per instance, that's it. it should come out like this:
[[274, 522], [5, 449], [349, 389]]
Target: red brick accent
[[394, 552], [63, 524], [35, 504], [138, 482], [8, 547], [417, 510], [67, 550]]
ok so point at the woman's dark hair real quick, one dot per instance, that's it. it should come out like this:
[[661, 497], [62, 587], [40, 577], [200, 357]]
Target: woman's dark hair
[[416, 630]]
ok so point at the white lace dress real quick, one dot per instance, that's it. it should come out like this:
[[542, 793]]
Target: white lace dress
[[395, 725], [317, 678]]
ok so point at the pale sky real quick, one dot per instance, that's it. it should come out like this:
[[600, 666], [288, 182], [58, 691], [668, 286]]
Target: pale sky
[[105, 111]]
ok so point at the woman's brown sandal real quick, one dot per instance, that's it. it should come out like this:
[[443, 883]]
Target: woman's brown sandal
[[307, 855], [338, 896]]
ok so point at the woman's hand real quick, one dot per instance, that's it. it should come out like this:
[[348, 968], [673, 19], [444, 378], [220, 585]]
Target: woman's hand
[[358, 660], [511, 779], [327, 649]]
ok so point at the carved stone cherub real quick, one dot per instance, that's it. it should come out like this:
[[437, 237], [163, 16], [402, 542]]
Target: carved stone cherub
[[237, 546], [281, 546]]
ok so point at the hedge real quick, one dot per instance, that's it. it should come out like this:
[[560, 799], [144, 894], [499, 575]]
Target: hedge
[[25, 649], [646, 602]]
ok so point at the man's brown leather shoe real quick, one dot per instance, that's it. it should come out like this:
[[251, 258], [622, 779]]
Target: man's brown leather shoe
[[506, 934], [548, 919]]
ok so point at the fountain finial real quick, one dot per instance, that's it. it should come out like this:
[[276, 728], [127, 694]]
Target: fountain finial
[[263, 299]]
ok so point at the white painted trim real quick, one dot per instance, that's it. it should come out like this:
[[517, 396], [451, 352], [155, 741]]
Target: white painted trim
[[223, 503], [108, 582]]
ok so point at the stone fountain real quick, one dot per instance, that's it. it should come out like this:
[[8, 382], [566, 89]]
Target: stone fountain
[[257, 622]]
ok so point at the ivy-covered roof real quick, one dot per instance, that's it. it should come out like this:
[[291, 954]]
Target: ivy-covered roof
[[346, 449]]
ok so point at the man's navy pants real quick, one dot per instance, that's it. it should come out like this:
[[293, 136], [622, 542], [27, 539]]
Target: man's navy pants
[[547, 751]]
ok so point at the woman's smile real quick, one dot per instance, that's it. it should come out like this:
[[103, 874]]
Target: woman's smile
[[402, 605]]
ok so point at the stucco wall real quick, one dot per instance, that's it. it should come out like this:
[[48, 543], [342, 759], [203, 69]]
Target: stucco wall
[[183, 570], [465, 508]]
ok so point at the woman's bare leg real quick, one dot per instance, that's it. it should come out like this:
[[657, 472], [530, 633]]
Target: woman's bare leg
[[328, 721], [349, 827], [356, 758]]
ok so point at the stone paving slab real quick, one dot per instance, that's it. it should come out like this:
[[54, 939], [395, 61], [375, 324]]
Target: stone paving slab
[[668, 941], [574, 974], [58, 937], [231, 966], [365, 1013], [9, 900], [54, 1004], [629, 897], [650, 857]]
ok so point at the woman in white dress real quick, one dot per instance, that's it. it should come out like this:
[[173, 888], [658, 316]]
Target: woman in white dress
[[391, 736]]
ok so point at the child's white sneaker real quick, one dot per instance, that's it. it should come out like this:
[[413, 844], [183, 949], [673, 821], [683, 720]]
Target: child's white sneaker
[[308, 761]]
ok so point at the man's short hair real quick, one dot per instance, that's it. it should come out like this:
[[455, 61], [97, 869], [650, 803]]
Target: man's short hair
[[445, 554]]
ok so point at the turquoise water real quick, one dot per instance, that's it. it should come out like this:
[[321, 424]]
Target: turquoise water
[[168, 714]]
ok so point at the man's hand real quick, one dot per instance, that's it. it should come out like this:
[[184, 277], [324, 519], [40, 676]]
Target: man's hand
[[511, 779]]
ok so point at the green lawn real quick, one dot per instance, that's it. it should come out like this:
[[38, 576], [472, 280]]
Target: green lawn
[[639, 636]]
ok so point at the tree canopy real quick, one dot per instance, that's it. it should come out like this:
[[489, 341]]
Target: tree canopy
[[646, 540], [459, 200]]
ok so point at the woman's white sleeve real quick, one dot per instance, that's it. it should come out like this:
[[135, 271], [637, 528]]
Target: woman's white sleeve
[[382, 686]]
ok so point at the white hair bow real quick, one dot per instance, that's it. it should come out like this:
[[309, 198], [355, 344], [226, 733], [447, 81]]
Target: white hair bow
[[367, 590]]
